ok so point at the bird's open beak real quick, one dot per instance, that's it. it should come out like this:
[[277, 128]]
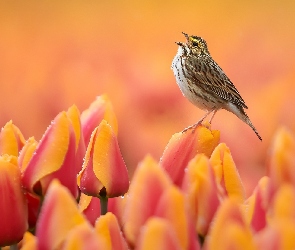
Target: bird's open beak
[[179, 43]]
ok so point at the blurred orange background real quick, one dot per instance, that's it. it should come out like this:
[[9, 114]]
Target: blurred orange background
[[57, 53]]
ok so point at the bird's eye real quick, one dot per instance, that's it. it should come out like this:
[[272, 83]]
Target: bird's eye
[[195, 43]]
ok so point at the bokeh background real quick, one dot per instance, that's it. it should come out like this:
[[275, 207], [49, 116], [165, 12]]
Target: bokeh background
[[57, 53]]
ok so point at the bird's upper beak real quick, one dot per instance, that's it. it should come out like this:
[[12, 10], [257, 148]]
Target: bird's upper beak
[[186, 35]]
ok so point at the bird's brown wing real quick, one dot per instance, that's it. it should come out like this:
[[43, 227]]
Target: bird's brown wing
[[211, 77]]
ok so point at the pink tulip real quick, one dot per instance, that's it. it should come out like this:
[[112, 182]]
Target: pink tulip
[[104, 173], [55, 155], [183, 146], [13, 204]]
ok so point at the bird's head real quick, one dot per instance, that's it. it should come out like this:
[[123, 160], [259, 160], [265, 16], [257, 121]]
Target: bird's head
[[197, 45]]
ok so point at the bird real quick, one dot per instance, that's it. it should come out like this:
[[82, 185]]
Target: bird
[[203, 82]]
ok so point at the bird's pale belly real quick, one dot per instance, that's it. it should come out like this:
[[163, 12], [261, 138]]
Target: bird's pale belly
[[194, 94]]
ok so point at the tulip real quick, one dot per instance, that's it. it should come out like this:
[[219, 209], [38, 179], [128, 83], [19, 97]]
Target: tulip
[[29, 242], [158, 234], [90, 207], [54, 156], [281, 163], [13, 204], [280, 230], [172, 207], [226, 173], [201, 192], [58, 216], [230, 230], [108, 230], [148, 184], [83, 237], [182, 147], [100, 109], [257, 205], [104, 173], [11, 139], [33, 200]]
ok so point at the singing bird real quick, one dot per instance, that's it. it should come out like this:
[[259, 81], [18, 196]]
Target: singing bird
[[204, 83]]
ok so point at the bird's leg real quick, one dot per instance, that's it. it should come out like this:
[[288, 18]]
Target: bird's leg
[[214, 112], [200, 121]]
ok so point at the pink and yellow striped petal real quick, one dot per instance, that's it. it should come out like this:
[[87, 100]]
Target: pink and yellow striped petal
[[13, 204], [148, 184], [11, 139], [229, 230], [59, 214], [282, 162], [107, 228], [201, 192], [158, 234], [104, 172], [183, 146], [54, 158], [100, 109], [226, 172]]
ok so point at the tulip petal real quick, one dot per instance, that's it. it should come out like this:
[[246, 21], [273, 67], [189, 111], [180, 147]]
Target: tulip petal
[[202, 192], [171, 206], [226, 172], [59, 214], [104, 167], [27, 153], [11, 139], [53, 158], [13, 205], [284, 203], [100, 109], [158, 234], [29, 242], [82, 237], [257, 205], [183, 146], [107, 227], [90, 207], [229, 230], [282, 161], [74, 116], [148, 184]]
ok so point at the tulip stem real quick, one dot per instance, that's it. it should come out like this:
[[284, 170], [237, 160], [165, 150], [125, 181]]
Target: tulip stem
[[13, 247], [103, 205]]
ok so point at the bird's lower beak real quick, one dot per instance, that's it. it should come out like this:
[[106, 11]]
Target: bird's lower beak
[[179, 43]]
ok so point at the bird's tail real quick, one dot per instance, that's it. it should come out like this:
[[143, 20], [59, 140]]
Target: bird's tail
[[244, 117]]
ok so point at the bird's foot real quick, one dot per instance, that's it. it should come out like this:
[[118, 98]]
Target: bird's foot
[[193, 127]]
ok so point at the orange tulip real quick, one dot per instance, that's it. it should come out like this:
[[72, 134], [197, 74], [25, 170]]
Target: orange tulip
[[58, 216], [282, 162], [11, 139], [90, 207], [100, 109], [201, 192], [182, 147], [158, 234], [13, 204], [148, 184], [104, 173], [230, 230], [226, 173], [83, 237], [55, 156], [108, 230], [257, 205]]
